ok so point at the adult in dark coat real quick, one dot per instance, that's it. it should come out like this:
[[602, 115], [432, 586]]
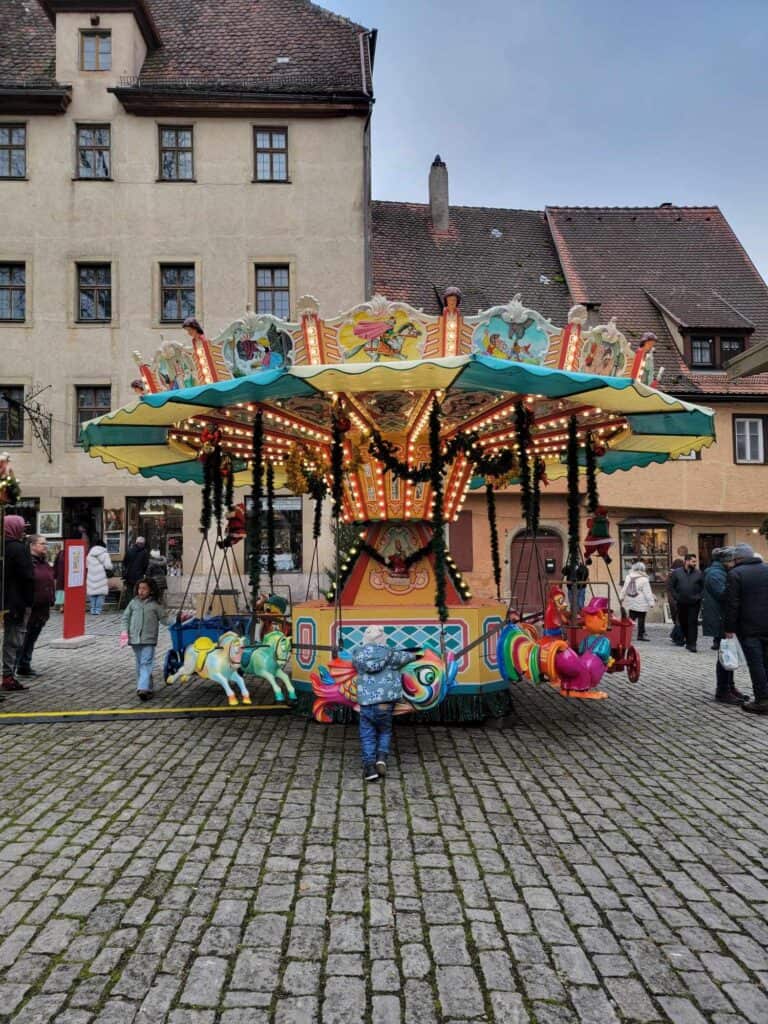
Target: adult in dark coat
[[687, 586], [45, 595], [676, 636], [713, 621], [134, 568], [18, 596], [746, 616]]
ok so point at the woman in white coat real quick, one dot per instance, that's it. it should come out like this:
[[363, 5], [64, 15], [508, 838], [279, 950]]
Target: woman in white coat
[[637, 597], [97, 564]]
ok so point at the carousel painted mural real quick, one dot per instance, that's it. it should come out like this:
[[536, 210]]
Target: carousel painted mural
[[391, 416]]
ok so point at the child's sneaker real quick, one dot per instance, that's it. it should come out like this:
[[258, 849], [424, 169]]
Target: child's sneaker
[[381, 765], [370, 774]]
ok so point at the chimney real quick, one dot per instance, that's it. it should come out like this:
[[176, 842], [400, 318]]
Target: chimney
[[438, 195]]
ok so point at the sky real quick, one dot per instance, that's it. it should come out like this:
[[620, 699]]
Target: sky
[[535, 103]]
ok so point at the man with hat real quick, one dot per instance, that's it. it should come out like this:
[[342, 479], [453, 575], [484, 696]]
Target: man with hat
[[746, 616], [712, 619]]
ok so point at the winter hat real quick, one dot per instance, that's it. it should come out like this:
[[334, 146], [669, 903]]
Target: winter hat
[[374, 635], [638, 567], [743, 551], [14, 527], [722, 555]]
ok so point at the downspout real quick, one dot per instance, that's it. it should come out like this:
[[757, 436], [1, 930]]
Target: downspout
[[365, 49]]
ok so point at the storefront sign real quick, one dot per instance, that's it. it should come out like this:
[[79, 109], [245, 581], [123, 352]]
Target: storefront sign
[[74, 589]]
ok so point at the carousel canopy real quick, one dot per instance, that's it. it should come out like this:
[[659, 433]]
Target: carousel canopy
[[380, 367]]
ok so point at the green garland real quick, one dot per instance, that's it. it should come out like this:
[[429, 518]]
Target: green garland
[[317, 490], [337, 466], [490, 502], [593, 498], [270, 522], [468, 444], [539, 473], [438, 537], [523, 430], [254, 523], [229, 484], [218, 486], [206, 509], [574, 547]]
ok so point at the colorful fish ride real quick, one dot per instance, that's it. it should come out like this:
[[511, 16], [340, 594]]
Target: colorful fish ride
[[393, 416]]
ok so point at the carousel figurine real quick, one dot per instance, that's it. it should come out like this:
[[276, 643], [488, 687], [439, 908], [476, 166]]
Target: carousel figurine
[[557, 613], [236, 526], [598, 540]]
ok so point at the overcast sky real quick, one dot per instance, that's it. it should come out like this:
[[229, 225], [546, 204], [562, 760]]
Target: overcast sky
[[575, 102]]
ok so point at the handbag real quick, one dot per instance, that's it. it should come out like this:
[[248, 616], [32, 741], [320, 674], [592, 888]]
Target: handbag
[[731, 655]]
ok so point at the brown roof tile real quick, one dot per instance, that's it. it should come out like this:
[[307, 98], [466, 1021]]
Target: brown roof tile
[[687, 258], [490, 254], [27, 44], [227, 44]]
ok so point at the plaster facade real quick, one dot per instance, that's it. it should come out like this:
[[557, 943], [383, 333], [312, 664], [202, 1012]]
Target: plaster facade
[[222, 222]]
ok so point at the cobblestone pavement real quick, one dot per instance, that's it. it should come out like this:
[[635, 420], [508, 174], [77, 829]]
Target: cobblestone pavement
[[587, 863]]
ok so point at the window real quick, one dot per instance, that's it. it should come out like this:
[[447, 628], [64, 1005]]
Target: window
[[648, 543], [176, 154], [749, 439], [95, 51], [271, 154], [93, 151], [94, 292], [288, 534], [160, 520], [272, 292], [91, 402], [11, 415], [13, 292], [177, 292], [730, 347], [13, 151], [702, 351], [711, 351]]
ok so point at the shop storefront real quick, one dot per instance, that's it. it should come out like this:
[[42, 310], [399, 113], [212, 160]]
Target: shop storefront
[[159, 520], [288, 534]]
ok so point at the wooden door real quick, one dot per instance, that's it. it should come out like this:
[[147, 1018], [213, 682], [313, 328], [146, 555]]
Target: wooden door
[[707, 544], [534, 564]]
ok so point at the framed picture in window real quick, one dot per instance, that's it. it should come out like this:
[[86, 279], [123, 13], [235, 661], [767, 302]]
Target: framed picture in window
[[49, 524], [113, 541], [114, 519]]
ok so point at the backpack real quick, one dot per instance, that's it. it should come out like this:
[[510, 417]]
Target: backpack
[[632, 590]]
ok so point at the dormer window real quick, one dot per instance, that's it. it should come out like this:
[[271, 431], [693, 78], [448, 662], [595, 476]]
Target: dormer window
[[96, 51], [712, 351]]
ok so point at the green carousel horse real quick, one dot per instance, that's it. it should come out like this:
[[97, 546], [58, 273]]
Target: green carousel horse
[[268, 661]]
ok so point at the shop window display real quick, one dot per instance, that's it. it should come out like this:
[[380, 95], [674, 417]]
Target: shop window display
[[160, 521], [288, 534], [648, 544]]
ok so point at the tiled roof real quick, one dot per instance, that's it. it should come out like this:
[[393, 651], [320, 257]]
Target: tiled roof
[[27, 44], [238, 43], [688, 256], [490, 254], [226, 44]]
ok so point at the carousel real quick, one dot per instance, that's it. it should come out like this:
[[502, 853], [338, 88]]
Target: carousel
[[392, 416]]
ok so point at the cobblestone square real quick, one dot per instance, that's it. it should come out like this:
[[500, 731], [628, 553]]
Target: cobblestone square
[[585, 862]]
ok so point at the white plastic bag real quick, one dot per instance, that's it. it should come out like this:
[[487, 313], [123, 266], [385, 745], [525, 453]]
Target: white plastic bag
[[730, 655]]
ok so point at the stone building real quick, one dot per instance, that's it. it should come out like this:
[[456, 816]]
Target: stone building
[[679, 272], [161, 159]]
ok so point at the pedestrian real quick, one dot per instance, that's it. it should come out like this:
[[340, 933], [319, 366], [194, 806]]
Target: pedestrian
[[637, 597], [687, 585], [157, 569], [713, 621], [58, 575], [676, 636], [141, 625], [379, 687], [134, 569], [97, 564], [746, 616], [43, 598], [18, 595]]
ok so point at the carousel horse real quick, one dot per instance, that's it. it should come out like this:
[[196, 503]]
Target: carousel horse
[[268, 661], [218, 660], [426, 682]]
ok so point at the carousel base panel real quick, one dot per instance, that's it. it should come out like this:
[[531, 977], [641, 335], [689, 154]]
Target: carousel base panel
[[479, 692]]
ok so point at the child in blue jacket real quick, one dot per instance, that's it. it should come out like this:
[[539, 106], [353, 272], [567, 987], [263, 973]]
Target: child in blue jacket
[[379, 687]]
